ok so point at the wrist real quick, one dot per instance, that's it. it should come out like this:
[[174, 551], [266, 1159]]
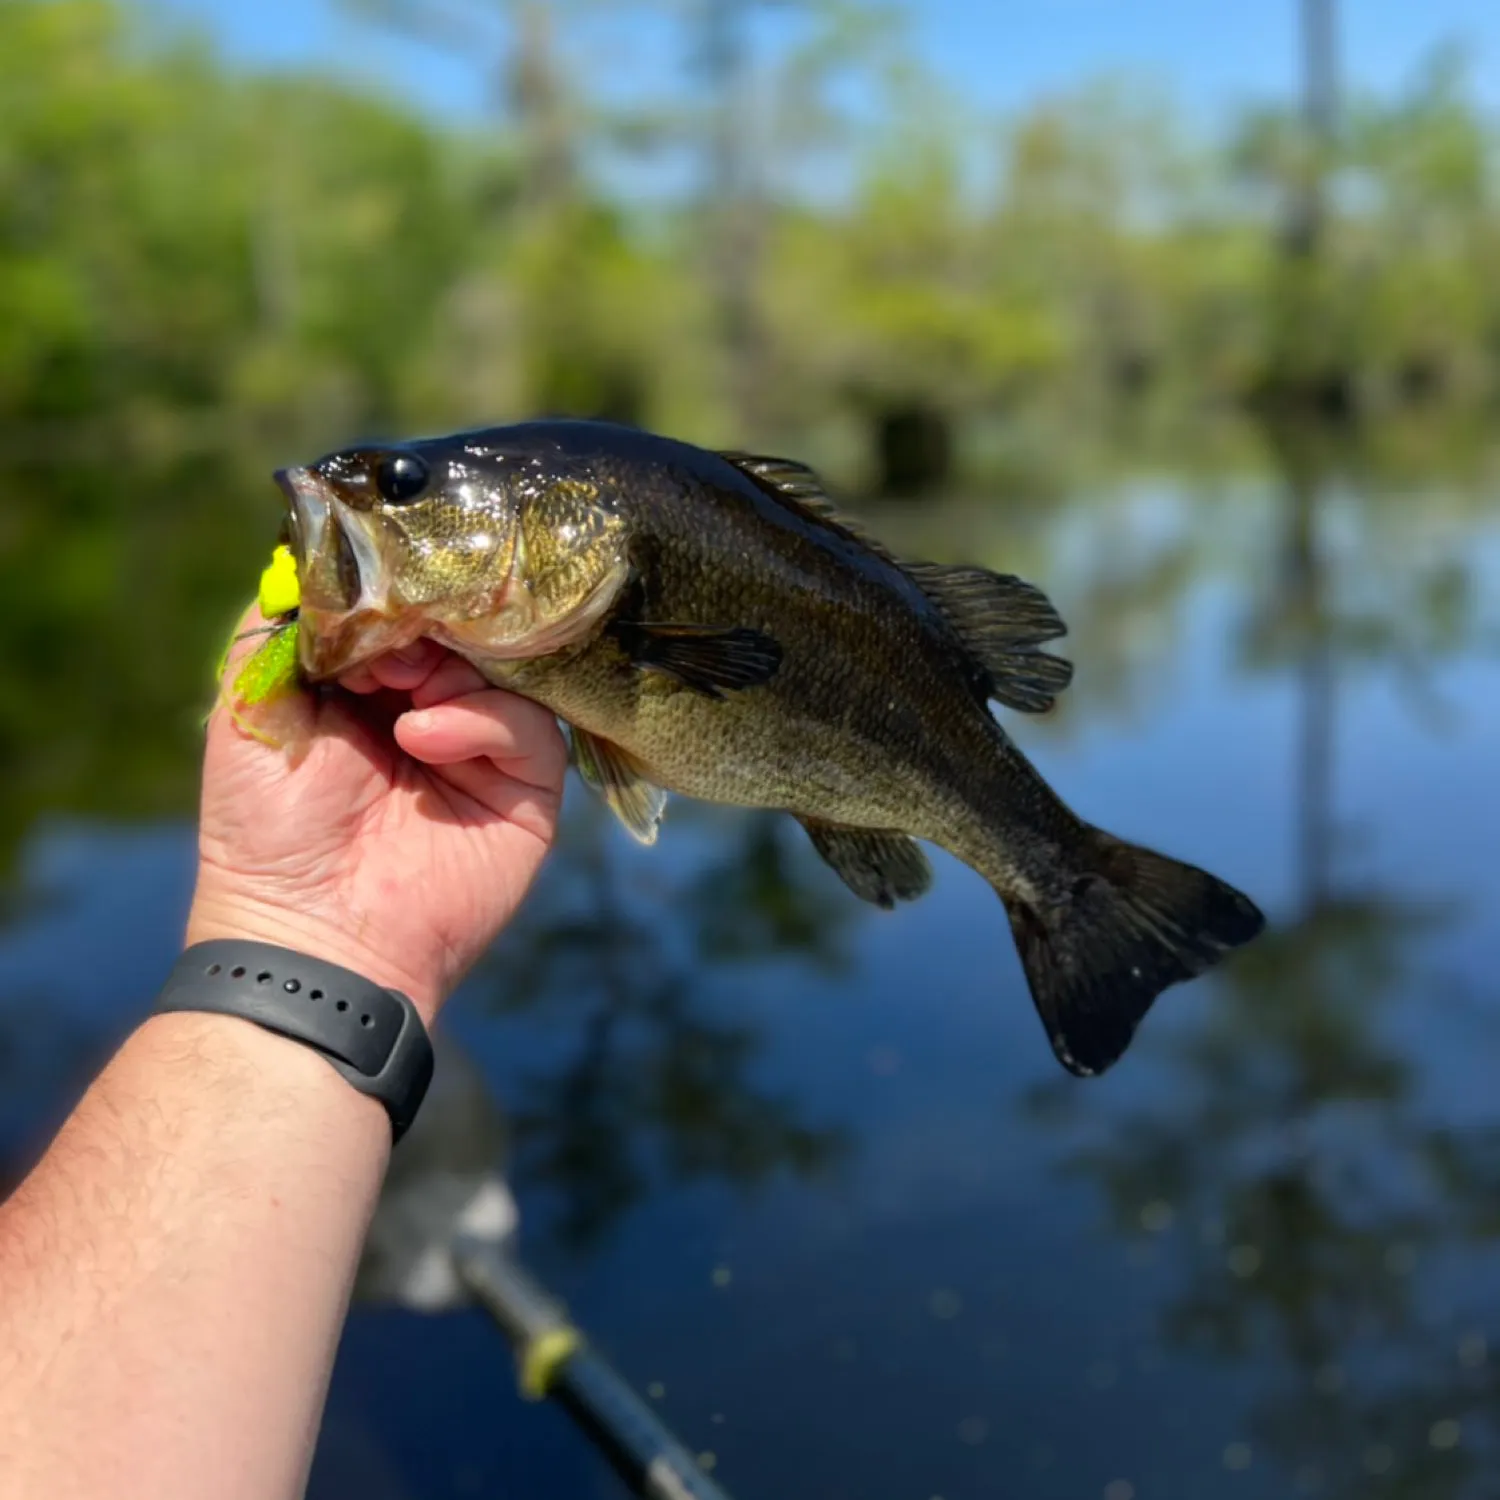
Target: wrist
[[214, 915], [294, 1090], [370, 1035]]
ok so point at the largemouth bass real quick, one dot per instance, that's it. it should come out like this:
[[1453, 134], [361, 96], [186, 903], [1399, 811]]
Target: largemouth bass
[[710, 624]]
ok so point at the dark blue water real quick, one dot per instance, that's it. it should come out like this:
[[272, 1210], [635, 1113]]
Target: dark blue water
[[807, 1171]]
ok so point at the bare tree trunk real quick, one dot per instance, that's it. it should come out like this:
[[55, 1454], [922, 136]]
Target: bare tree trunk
[[538, 101], [734, 240], [1319, 115]]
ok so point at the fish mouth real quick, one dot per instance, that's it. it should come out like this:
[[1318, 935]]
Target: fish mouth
[[342, 614], [304, 504], [316, 529]]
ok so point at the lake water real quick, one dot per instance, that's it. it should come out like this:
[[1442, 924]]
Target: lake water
[[807, 1172]]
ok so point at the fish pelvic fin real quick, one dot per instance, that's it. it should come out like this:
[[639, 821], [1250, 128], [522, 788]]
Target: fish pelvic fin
[[1001, 621], [879, 865], [621, 781], [1098, 950]]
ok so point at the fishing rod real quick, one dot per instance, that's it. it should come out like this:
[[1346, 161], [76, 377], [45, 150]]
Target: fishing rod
[[444, 1236], [556, 1362]]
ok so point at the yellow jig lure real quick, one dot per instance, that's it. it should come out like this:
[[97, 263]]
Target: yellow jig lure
[[271, 669]]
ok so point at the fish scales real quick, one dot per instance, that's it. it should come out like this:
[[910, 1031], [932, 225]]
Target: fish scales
[[714, 548]]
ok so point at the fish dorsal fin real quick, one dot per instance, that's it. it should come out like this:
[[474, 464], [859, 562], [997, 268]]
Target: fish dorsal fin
[[1002, 621], [784, 475], [786, 479]]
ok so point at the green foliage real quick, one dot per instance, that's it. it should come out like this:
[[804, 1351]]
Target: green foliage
[[205, 273], [191, 257]]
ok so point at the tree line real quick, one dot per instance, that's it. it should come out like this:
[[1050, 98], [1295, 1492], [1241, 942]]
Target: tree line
[[194, 255]]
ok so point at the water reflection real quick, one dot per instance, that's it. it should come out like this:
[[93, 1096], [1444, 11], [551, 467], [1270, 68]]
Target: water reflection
[[1318, 1207], [709, 1051], [120, 576], [655, 1084]]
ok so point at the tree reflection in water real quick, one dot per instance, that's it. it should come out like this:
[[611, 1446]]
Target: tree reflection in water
[[1318, 1213], [656, 1086]]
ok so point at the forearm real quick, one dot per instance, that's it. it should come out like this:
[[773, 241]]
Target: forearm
[[174, 1274]]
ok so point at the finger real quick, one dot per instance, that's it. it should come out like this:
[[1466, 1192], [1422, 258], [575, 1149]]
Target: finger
[[452, 678], [407, 669], [531, 808], [519, 736], [360, 679]]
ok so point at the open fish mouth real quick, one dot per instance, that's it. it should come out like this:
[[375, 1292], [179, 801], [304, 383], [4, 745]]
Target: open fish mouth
[[314, 528], [306, 510], [346, 615]]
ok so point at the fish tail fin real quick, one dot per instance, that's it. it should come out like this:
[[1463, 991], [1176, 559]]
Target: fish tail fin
[[1099, 949]]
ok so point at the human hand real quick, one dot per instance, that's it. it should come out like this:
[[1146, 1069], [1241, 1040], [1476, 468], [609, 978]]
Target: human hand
[[401, 842]]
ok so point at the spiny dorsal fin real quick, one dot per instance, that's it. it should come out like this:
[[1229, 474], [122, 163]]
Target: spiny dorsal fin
[[786, 479], [784, 475], [1001, 620]]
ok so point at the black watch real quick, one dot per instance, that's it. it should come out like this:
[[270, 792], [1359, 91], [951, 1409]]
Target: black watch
[[373, 1036]]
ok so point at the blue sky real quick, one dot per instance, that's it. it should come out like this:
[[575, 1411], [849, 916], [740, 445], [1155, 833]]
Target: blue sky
[[999, 54]]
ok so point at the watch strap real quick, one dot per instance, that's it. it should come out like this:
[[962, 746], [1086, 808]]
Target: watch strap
[[372, 1036]]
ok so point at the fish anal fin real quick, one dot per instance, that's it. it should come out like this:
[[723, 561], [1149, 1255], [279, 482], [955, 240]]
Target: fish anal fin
[[1001, 621], [878, 865], [621, 781], [710, 659]]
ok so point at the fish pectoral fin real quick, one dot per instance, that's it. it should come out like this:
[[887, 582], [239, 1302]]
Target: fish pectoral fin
[[621, 780], [710, 659], [1001, 620], [879, 865]]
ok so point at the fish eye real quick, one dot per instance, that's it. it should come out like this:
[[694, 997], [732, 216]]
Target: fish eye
[[401, 478]]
